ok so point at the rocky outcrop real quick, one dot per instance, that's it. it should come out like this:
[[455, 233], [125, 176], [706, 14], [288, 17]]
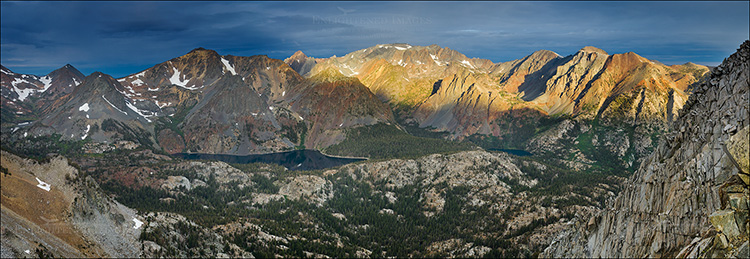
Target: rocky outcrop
[[51, 208], [484, 173], [173, 235], [687, 198]]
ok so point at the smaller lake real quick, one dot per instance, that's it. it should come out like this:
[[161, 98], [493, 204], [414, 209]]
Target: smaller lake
[[517, 152], [293, 160]]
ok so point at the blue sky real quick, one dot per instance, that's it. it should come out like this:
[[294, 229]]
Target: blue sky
[[120, 38]]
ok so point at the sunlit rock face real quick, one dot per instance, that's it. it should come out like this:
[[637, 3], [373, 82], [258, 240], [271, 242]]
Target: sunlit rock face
[[442, 89], [689, 198]]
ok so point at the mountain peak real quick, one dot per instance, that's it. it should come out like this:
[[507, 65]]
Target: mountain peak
[[329, 74], [300, 62], [97, 74], [202, 52], [68, 71], [197, 50], [298, 55], [68, 67], [544, 53], [590, 49]]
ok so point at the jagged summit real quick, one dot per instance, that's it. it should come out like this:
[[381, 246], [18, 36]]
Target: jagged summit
[[591, 49], [198, 49], [69, 68], [300, 62], [202, 52], [544, 52], [298, 54]]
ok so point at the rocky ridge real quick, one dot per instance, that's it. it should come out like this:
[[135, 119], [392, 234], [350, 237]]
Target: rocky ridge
[[27, 96], [689, 198], [96, 110], [200, 102], [441, 89]]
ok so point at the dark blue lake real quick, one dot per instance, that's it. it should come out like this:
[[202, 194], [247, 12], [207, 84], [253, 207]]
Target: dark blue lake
[[517, 152], [293, 160]]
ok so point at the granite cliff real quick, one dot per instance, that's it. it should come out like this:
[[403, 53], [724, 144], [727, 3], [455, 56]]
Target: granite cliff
[[690, 197]]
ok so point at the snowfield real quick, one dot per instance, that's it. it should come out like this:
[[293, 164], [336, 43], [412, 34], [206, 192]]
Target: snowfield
[[84, 107], [42, 185], [138, 223]]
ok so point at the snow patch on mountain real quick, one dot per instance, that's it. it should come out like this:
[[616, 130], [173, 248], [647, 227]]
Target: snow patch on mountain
[[351, 70], [466, 63], [162, 105], [137, 82], [22, 93], [84, 107], [113, 106], [47, 81], [138, 223], [7, 72], [435, 58], [139, 112], [402, 48], [175, 79], [42, 185], [86, 133], [25, 93], [228, 66]]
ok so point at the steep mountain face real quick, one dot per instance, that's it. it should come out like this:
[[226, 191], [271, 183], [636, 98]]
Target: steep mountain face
[[515, 73], [624, 87], [245, 112], [402, 73], [637, 90], [301, 62], [335, 102], [689, 198], [25, 96], [464, 104], [98, 111], [557, 85], [591, 83], [208, 103]]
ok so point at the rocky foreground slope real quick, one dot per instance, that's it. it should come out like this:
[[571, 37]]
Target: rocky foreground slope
[[52, 209], [690, 197]]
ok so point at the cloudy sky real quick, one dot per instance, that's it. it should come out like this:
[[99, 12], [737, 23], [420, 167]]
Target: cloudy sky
[[120, 38]]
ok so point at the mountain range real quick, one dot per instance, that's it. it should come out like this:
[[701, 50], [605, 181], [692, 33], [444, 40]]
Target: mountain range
[[208, 103], [628, 157]]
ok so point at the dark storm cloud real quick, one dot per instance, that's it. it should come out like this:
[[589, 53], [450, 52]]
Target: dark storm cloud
[[125, 37]]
